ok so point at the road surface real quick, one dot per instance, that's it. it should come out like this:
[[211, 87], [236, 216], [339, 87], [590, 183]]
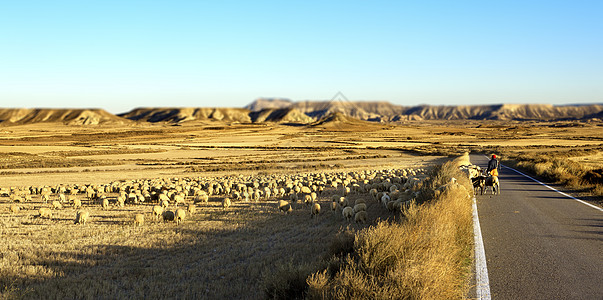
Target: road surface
[[539, 244]]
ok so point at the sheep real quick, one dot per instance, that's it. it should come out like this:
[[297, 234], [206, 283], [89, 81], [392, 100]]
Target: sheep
[[81, 217], [139, 219], [479, 183], [105, 203], [165, 203], [77, 203], [348, 213], [358, 201], [334, 206], [180, 215], [179, 199], [492, 181], [225, 203], [157, 211], [15, 208], [360, 217], [343, 202], [281, 204], [359, 207], [306, 190], [315, 210], [191, 208], [168, 215], [384, 199], [286, 208], [293, 198], [308, 200], [335, 198], [57, 205], [121, 202], [46, 197], [45, 212], [203, 197]]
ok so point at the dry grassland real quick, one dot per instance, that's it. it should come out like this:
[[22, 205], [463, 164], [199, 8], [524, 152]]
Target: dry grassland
[[234, 253]]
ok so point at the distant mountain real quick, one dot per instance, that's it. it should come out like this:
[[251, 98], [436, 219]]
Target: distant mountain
[[177, 115], [266, 103], [20, 116], [313, 113], [382, 111]]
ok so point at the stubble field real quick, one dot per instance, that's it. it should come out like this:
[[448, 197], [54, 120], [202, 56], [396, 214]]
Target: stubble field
[[216, 252]]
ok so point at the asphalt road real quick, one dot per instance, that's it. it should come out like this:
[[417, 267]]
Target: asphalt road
[[539, 244]]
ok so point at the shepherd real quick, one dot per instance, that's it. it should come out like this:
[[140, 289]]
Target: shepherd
[[493, 166]]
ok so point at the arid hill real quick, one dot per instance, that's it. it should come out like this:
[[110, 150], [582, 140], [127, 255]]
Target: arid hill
[[177, 115], [387, 112], [282, 115], [20, 116], [306, 112]]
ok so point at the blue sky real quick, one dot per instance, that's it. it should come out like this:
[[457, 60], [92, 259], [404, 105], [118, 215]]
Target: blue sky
[[119, 55]]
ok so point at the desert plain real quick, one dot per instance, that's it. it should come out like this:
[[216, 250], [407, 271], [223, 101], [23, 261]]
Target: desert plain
[[218, 253]]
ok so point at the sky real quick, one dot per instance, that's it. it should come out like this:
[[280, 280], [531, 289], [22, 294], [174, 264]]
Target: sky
[[119, 55]]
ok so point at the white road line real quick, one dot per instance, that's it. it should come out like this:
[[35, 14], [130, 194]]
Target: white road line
[[552, 188], [481, 271]]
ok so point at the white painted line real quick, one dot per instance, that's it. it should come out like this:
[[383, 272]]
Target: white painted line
[[552, 188], [481, 271]]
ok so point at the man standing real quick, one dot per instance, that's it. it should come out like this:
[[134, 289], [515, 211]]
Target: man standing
[[493, 166]]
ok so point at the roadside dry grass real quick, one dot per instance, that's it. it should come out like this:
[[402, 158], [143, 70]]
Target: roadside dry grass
[[559, 167]]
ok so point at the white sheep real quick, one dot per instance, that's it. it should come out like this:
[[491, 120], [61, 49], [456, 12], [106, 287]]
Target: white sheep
[[225, 203], [179, 199], [165, 203], [105, 203], [360, 217], [157, 211], [334, 206], [57, 205], [15, 208], [359, 207], [77, 203], [348, 213], [384, 199], [286, 208], [81, 217], [139, 219], [180, 215], [308, 200], [315, 210], [191, 208]]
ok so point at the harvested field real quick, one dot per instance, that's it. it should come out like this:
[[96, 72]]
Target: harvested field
[[217, 252]]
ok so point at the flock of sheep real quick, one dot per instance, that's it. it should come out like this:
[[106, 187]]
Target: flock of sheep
[[393, 189]]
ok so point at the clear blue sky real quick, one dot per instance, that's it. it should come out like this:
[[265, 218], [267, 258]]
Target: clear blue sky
[[118, 55]]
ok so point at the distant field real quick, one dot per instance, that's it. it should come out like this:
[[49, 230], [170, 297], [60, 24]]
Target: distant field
[[82, 153]]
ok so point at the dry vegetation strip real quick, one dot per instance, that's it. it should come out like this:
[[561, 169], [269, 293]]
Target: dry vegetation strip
[[562, 170]]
